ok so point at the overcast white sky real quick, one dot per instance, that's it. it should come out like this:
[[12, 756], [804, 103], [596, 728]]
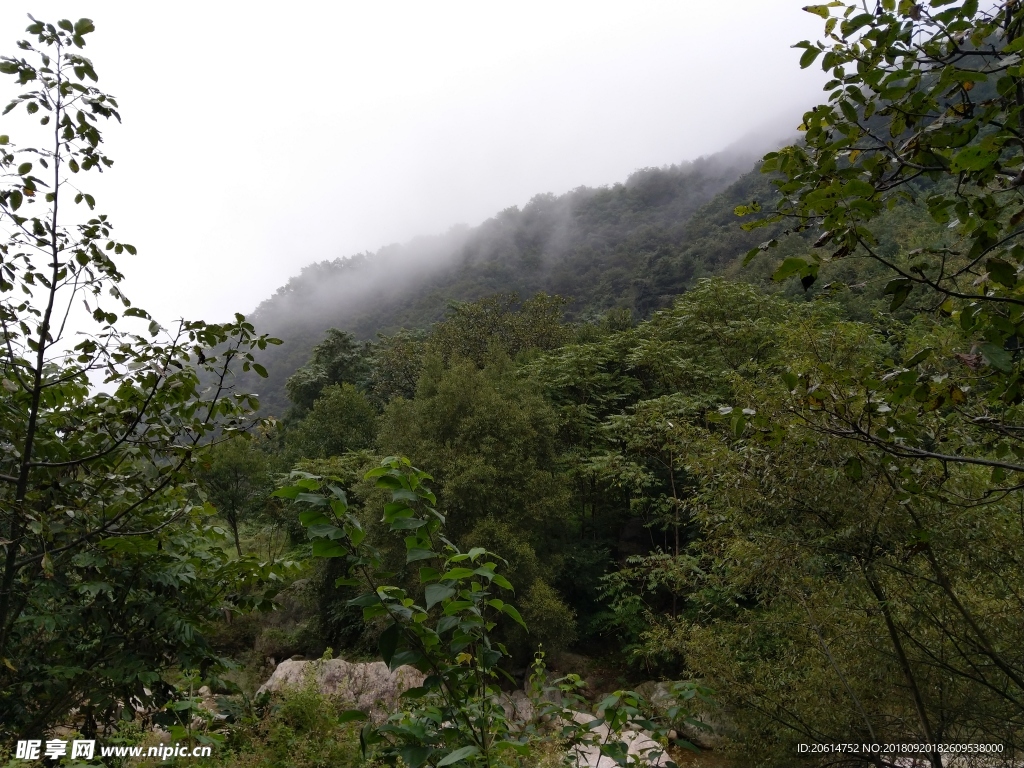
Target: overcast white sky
[[259, 137]]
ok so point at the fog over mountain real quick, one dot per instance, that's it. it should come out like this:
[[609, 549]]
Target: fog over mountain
[[634, 245], [544, 236], [259, 139]]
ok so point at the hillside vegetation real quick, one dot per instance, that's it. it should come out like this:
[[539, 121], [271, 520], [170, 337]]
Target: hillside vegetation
[[633, 245], [747, 438]]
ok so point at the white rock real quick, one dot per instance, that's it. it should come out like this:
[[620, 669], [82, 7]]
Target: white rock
[[371, 687], [716, 720], [639, 744], [518, 707]]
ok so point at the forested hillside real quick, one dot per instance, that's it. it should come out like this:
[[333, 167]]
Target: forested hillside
[[728, 456], [632, 245]]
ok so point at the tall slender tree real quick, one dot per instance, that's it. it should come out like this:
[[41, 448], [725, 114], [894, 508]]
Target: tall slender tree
[[107, 569]]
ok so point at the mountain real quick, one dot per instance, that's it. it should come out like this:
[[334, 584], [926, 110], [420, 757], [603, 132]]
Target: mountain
[[634, 244]]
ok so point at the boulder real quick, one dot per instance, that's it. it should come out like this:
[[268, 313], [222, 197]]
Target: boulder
[[518, 707], [715, 720], [657, 694], [641, 747], [371, 687], [294, 595]]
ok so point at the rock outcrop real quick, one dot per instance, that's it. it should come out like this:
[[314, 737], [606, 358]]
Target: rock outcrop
[[640, 746], [518, 708], [715, 721], [371, 687]]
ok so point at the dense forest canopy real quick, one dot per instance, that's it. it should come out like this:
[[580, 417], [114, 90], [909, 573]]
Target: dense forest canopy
[[629, 245]]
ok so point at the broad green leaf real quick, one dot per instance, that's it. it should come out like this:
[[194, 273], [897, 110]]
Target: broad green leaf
[[364, 601], [809, 56], [401, 658], [1002, 272], [325, 530], [789, 267], [310, 517], [920, 357], [395, 509], [429, 574], [514, 614], [501, 581], [997, 357], [973, 158], [899, 288], [415, 756], [446, 623], [355, 534], [388, 642], [457, 755], [820, 10], [417, 553], [328, 548], [435, 593]]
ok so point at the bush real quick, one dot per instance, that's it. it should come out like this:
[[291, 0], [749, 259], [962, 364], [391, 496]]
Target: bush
[[297, 729]]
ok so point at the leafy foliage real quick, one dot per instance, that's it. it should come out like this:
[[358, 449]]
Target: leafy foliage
[[338, 359], [109, 567], [629, 245], [444, 628], [340, 420], [933, 93]]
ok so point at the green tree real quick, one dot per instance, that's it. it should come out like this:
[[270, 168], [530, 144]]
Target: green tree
[[108, 570], [238, 477], [925, 110], [475, 427], [488, 437], [338, 359], [340, 420], [396, 364], [499, 323]]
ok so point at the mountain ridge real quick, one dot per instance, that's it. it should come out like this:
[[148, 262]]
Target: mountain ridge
[[627, 245]]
